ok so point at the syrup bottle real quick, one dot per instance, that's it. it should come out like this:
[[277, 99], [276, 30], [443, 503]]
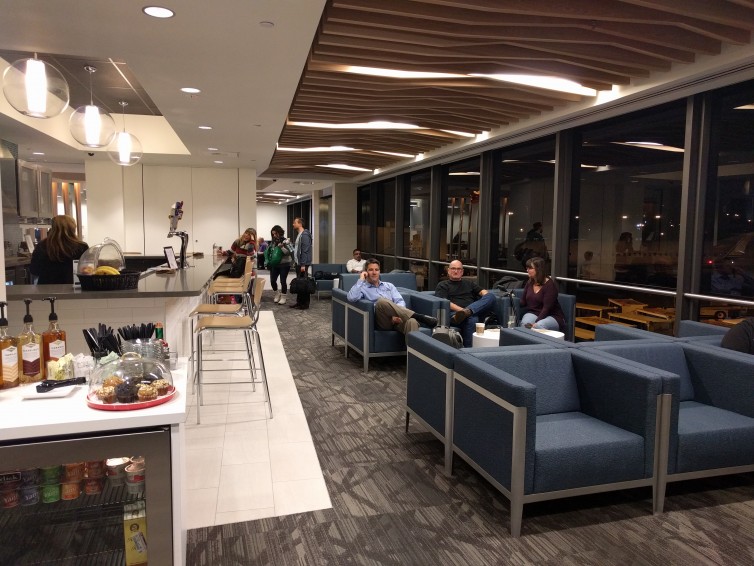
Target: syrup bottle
[[30, 344], [8, 353], [53, 339]]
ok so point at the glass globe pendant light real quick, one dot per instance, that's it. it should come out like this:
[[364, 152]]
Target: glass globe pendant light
[[125, 149], [90, 125], [35, 88]]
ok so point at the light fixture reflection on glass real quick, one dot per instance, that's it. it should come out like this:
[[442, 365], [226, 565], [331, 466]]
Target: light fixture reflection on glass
[[90, 125], [35, 88], [125, 148]]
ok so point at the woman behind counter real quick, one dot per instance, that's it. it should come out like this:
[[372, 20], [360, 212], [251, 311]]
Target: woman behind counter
[[52, 260]]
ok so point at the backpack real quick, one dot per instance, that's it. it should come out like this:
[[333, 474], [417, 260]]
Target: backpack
[[449, 336], [273, 255]]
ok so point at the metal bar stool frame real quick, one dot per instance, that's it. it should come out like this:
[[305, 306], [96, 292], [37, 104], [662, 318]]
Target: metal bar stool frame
[[248, 325]]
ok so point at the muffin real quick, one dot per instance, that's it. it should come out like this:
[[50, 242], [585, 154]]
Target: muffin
[[112, 381], [126, 393], [162, 386], [106, 394], [147, 393]]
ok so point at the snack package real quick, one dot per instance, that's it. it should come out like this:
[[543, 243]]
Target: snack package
[[135, 531]]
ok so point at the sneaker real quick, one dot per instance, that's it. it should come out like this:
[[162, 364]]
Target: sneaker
[[277, 297], [282, 299], [460, 316]]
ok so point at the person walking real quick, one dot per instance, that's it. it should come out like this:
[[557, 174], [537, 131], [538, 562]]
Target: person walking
[[303, 259], [279, 266]]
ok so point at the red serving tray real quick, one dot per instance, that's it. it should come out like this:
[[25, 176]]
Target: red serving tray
[[94, 403]]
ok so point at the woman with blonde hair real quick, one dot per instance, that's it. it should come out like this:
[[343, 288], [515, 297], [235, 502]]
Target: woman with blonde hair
[[52, 260], [245, 245]]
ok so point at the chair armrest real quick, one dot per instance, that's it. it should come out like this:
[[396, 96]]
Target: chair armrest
[[688, 328], [498, 382], [430, 305], [619, 393], [723, 379]]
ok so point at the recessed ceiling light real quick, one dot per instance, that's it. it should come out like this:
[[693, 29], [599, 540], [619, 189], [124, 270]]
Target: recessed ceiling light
[[158, 12], [376, 125], [38, 153], [318, 149], [549, 83], [211, 149], [266, 24], [219, 162], [344, 166], [190, 90], [205, 127]]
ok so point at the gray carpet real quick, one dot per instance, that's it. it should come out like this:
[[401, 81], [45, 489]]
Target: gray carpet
[[392, 504]]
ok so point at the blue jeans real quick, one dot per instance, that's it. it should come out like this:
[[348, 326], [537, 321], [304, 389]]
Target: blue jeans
[[480, 309], [548, 323]]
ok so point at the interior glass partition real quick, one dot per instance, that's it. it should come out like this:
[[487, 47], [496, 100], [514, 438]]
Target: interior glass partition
[[416, 219], [364, 239], [458, 237], [522, 205], [384, 193]]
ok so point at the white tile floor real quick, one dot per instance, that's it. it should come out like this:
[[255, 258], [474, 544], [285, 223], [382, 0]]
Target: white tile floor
[[240, 464]]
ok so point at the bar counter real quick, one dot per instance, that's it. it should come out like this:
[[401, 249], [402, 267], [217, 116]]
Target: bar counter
[[159, 298]]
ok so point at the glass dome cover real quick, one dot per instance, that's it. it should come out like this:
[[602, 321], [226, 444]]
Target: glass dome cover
[[108, 253], [131, 380]]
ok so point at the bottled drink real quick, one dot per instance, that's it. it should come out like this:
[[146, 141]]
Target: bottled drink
[[30, 344], [8, 353], [53, 339], [159, 333]]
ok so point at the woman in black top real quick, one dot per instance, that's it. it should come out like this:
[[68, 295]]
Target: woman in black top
[[52, 260]]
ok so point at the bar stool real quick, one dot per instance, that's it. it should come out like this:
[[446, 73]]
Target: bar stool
[[247, 324]]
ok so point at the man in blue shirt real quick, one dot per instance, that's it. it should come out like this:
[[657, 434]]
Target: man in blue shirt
[[390, 308]]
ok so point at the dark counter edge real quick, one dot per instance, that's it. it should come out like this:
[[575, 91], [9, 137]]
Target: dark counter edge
[[188, 282]]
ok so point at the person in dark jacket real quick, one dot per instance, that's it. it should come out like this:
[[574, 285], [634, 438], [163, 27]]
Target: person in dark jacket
[[303, 259], [540, 299], [741, 337], [52, 260]]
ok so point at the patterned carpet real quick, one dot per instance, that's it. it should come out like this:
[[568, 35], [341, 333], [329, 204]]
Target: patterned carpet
[[392, 505]]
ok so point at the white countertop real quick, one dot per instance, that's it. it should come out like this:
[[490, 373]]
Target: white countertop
[[24, 418]]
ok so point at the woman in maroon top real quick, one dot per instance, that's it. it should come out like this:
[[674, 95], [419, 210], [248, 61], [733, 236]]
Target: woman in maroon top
[[540, 299]]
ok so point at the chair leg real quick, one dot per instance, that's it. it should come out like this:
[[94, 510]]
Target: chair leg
[[262, 370], [250, 355], [199, 368], [517, 513]]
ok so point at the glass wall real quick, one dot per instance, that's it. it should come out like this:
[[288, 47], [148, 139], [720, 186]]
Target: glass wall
[[626, 198], [364, 221], [384, 194], [459, 232], [416, 214], [522, 204]]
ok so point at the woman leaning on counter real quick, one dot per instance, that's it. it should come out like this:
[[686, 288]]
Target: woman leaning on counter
[[52, 260]]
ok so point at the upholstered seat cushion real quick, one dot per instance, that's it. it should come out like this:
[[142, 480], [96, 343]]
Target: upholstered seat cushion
[[568, 445], [710, 438]]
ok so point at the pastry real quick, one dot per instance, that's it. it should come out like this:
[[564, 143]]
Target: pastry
[[126, 393], [112, 381], [106, 394], [162, 386], [147, 393]]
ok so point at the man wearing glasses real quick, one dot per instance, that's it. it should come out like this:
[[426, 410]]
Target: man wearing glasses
[[468, 301], [356, 265]]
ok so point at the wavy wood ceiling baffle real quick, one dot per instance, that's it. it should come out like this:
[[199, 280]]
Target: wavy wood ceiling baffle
[[597, 44]]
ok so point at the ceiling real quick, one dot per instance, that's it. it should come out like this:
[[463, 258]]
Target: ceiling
[[256, 78]]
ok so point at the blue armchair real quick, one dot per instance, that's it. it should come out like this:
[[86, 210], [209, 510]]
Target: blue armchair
[[429, 371], [354, 323], [567, 303], [326, 285], [688, 328], [709, 419], [554, 423]]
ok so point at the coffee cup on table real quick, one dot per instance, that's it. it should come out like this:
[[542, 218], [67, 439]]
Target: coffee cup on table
[[480, 328]]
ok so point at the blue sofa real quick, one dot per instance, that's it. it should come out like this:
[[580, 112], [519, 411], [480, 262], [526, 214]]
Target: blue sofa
[[354, 322], [567, 303], [553, 423], [326, 285]]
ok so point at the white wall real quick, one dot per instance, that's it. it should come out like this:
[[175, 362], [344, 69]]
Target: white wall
[[132, 204], [267, 216]]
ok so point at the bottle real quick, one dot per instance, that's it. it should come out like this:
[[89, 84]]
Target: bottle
[[159, 331], [8, 353], [30, 344], [53, 339]]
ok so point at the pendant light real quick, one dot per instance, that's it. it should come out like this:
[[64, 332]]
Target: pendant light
[[35, 88], [90, 125], [125, 149]]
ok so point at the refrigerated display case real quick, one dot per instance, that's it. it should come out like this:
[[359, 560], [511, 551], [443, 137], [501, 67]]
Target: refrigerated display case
[[81, 518]]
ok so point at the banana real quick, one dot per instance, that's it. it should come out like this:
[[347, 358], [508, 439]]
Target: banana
[[106, 270]]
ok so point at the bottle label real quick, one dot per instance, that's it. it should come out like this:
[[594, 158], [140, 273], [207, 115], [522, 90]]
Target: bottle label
[[30, 357], [57, 349], [10, 365]]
